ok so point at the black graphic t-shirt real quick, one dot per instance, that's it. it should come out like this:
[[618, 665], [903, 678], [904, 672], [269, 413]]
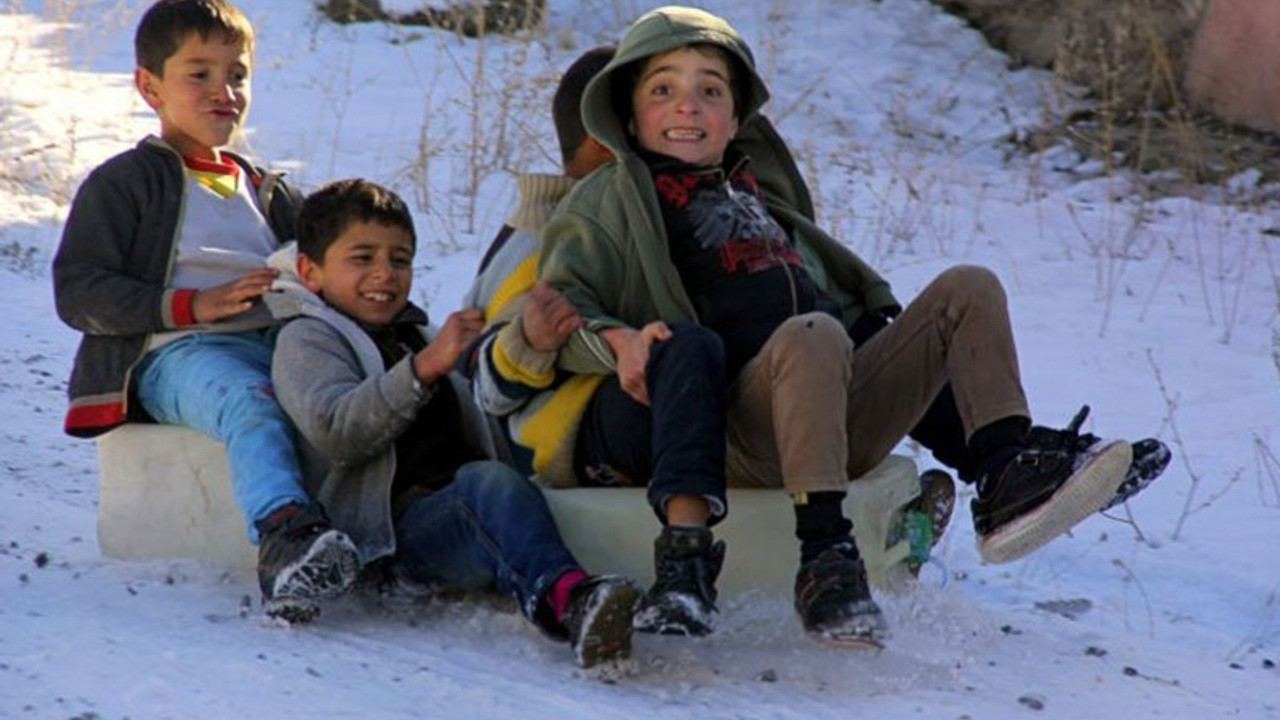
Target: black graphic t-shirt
[[737, 263]]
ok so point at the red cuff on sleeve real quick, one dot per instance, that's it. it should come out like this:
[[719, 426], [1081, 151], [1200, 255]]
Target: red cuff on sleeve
[[183, 307]]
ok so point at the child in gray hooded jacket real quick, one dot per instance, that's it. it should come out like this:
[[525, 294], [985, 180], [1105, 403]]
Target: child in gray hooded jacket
[[394, 446]]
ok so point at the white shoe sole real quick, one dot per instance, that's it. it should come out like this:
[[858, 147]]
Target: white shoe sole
[[1091, 487], [327, 570]]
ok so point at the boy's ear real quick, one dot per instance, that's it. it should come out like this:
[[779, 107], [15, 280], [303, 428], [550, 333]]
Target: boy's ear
[[310, 273], [145, 81]]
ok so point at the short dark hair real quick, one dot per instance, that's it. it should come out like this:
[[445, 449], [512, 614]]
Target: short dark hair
[[566, 106], [167, 24], [329, 211]]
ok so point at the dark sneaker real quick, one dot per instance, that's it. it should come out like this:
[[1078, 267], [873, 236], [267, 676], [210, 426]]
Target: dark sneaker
[[1044, 491], [682, 600], [303, 559], [834, 602], [924, 519], [598, 619], [1150, 456]]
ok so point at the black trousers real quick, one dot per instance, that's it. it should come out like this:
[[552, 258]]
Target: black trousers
[[677, 442]]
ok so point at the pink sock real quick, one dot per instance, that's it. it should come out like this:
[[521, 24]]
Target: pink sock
[[558, 595]]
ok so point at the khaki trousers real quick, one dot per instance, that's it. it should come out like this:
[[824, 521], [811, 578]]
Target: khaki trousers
[[810, 411]]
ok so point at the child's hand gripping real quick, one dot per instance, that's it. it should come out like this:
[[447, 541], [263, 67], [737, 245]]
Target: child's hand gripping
[[548, 318], [437, 358], [631, 350]]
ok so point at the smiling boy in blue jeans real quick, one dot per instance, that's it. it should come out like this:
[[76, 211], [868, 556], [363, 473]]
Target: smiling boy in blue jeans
[[399, 448], [162, 266]]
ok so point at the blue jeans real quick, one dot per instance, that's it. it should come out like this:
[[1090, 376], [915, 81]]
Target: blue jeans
[[490, 527], [220, 385]]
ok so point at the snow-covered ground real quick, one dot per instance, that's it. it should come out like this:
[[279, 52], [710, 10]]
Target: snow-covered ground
[[1161, 313]]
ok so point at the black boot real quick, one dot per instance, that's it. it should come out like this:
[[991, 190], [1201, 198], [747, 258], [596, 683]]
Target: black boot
[[834, 602], [1048, 486], [682, 600]]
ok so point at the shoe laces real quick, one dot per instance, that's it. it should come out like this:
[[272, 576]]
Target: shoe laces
[[835, 572], [1067, 439]]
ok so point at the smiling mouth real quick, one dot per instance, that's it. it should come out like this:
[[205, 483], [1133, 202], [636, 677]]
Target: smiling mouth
[[378, 297], [684, 134]]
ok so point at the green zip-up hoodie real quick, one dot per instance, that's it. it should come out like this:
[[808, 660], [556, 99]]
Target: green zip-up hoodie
[[606, 247]]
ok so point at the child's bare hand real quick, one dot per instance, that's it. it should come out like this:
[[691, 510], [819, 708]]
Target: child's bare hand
[[437, 358], [631, 349], [223, 301], [548, 318]]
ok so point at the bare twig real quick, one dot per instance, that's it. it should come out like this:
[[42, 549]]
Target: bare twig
[[1268, 473], [1131, 577], [1190, 506], [1131, 521]]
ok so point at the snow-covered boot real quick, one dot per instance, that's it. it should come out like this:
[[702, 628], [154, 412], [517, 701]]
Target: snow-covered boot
[[598, 618], [834, 601], [682, 600], [303, 559], [923, 521]]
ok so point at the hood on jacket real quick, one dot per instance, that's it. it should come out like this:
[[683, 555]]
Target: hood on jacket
[[288, 297], [655, 32]]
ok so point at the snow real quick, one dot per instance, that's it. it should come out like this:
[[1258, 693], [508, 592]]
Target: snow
[[1160, 312]]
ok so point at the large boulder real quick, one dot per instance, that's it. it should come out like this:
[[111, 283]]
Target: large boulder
[[1234, 63]]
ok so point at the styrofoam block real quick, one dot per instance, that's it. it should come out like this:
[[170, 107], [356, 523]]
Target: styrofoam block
[[164, 493]]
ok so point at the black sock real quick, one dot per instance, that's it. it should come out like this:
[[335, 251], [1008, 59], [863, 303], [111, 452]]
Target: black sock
[[820, 523], [994, 445]]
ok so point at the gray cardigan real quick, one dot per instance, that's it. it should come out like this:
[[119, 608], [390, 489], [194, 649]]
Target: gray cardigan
[[349, 410]]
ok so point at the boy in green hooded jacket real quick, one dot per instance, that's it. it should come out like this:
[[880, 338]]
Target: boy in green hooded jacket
[[740, 339]]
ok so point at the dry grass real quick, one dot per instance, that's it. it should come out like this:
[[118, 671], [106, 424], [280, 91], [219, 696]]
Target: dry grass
[[470, 18], [1120, 65]]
